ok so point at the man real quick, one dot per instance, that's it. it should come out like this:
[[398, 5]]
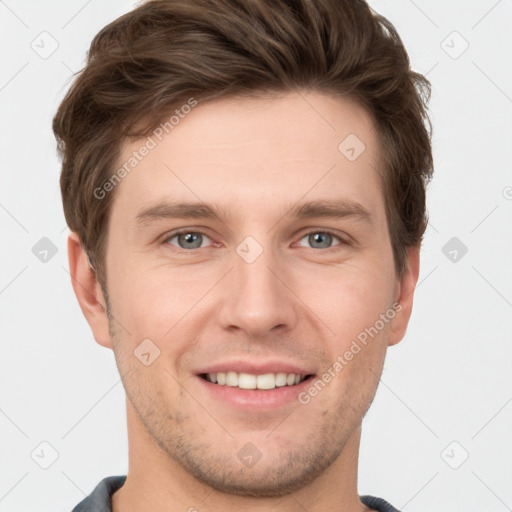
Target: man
[[244, 181]]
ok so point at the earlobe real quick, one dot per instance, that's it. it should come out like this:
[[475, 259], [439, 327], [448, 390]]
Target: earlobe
[[88, 291], [405, 296]]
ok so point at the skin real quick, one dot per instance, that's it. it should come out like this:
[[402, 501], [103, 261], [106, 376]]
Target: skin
[[300, 300]]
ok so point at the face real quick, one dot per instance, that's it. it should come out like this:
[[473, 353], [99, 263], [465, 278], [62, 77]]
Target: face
[[247, 243]]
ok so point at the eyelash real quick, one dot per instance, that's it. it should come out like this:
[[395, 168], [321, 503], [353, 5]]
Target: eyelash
[[324, 232]]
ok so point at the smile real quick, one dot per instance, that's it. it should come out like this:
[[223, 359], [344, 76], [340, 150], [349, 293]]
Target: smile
[[252, 381]]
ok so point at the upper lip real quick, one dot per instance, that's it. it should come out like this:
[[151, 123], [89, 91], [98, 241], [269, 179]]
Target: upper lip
[[255, 368]]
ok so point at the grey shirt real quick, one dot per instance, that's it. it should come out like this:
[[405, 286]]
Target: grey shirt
[[100, 499]]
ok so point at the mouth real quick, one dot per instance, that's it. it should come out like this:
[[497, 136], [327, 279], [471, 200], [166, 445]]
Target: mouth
[[249, 381]]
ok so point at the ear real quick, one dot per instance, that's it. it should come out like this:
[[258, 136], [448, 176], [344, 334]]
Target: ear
[[88, 291], [404, 296]]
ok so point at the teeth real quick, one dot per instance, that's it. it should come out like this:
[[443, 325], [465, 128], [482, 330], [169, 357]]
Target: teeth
[[231, 379], [246, 381], [249, 381], [280, 379]]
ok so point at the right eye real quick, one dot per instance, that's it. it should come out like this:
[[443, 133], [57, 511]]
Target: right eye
[[187, 239]]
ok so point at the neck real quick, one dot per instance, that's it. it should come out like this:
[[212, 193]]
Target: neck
[[155, 481]]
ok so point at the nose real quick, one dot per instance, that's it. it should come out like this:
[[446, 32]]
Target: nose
[[258, 297]]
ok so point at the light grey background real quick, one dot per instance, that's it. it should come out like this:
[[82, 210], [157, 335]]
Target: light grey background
[[446, 390]]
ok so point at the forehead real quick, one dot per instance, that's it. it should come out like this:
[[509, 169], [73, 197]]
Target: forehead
[[243, 153]]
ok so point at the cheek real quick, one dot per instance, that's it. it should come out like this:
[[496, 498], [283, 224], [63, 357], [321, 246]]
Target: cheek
[[349, 299], [150, 300]]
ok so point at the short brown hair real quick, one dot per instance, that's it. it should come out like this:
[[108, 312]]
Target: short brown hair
[[155, 58]]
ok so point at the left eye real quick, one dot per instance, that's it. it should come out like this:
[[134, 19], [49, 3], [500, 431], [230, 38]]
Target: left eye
[[320, 239], [188, 239]]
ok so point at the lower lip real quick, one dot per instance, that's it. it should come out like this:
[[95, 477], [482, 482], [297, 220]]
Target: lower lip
[[251, 399]]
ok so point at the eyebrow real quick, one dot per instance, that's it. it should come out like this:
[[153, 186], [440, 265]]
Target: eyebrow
[[332, 208], [328, 208]]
